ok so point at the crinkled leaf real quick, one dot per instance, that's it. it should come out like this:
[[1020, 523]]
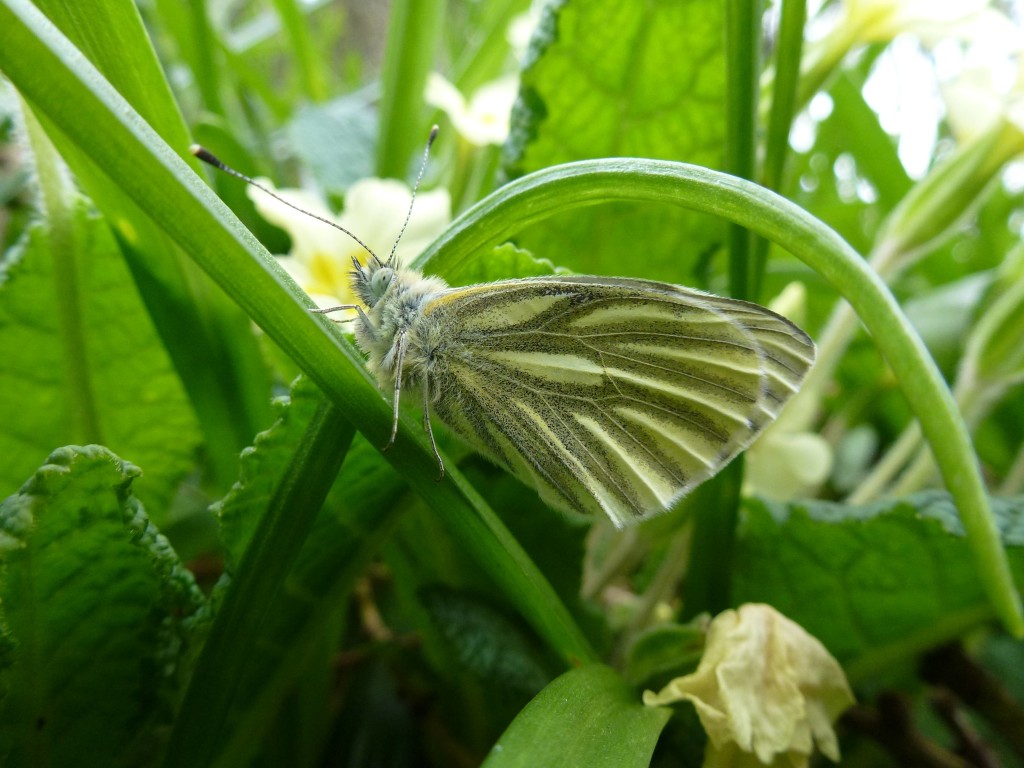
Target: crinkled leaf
[[82, 363], [335, 141], [97, 608], [873, 583], [261, 468], [588, 716], [610, 79], [504, 262]]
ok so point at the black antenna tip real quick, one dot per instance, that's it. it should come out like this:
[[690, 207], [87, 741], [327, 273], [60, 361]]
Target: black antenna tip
[[433, 135], [206, 156]]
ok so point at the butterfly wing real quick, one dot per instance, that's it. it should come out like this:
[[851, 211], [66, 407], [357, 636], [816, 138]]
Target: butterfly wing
[[609, 394]]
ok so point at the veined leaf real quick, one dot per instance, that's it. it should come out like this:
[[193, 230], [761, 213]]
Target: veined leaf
[[877, 583], [610, 79], [96, 609], [81, 361]]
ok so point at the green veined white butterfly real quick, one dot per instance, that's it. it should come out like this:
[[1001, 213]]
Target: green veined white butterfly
[[606, 394]]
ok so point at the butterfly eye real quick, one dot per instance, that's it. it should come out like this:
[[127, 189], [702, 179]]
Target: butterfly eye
[[381, 280]]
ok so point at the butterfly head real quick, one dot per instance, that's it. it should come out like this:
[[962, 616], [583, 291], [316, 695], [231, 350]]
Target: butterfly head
[[372, 280]]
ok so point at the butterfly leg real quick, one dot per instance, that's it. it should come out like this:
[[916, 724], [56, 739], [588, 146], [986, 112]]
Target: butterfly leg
[[430, 432], [356, 307], [401, 344]]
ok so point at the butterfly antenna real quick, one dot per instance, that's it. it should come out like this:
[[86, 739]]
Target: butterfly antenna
[[415, 186], [210, 159]]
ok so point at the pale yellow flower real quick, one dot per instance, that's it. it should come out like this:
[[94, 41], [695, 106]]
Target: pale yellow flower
[[321, 256], [930, 20], [482, 119], [765, 691], [975, 102]]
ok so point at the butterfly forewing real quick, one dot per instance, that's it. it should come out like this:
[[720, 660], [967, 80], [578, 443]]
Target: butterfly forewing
[[609, 394]]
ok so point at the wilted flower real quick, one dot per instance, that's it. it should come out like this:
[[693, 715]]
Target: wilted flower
[[321, 256], [765, 691], [484, 118]]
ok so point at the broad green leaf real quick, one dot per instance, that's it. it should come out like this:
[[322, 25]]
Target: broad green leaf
[[588, 716], [502, 263], [335, 141], [875, 584], [210, 340], [612, 79], [81, 361], [98, 609]]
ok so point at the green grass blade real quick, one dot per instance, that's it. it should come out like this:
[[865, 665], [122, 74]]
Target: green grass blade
[[413, 39]]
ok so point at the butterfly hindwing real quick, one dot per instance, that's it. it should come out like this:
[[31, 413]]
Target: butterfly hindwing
[[609, 394]]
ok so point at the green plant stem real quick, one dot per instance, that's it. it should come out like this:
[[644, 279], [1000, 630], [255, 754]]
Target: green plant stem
[[875, 482], [541, 194], [742, 43], [788, 51], [269, 556], [413, 38], [785, 81], [709, 571], [203, 49]]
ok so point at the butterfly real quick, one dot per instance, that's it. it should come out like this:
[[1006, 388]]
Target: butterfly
[[608, 395]]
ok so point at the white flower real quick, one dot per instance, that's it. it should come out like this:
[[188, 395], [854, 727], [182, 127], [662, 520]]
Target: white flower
[[321, 256], [765, 691], [484, 119], [975, 102], [930, 20]]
